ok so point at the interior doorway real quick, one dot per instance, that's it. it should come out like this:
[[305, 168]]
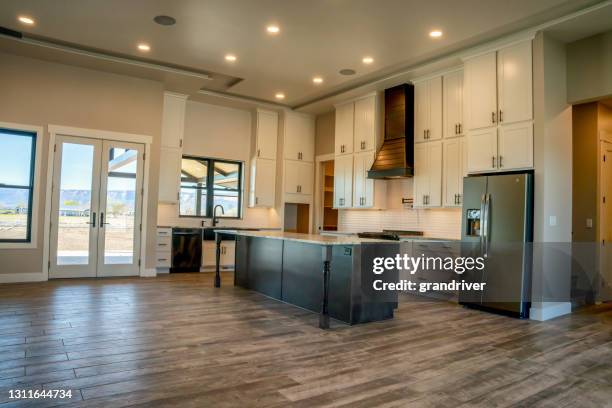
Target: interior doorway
[[605, 212], [96, 208], [327, 215]]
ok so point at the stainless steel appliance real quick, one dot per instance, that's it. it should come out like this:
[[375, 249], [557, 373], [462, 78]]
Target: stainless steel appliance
[[497, 224], [186, 249]]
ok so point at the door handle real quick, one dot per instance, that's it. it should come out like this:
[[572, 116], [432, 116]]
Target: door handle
[[482, 222], [102, 223], [486, 227], [93, 220]]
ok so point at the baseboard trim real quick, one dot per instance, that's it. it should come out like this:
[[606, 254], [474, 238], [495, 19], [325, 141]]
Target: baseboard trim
[[543, 311], [22, 277], [148, 273]]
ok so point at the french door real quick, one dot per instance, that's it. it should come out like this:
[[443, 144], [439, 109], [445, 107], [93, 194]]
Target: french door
[[96, 208]]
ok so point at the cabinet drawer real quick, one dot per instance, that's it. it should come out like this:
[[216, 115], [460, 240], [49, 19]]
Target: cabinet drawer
[[164, 232], [164, 243], [162, 259]]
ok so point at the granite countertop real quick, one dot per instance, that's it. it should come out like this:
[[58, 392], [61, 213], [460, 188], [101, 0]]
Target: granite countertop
[[429, 239], [309, 238]]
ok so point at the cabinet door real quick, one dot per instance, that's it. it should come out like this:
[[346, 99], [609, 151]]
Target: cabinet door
[[434, 170], [435, 109], [298, 137], [359, 178], [421, 174], [292, 176], [228, 253], [344, 129], [516, 146], [515, 88], [421, 111], [480, 74], [343, 181], [452, 97], [452, 172], [267, 134], [264, 176], [169, 174], [482, 150], [306, 177], [307, 137], [365, 124], [367, 160], [173, 120], [209, 253]]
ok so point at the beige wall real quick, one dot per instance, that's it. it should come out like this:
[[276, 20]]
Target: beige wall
[[223, 133], [589, 68], [324, 136], [42, 93]]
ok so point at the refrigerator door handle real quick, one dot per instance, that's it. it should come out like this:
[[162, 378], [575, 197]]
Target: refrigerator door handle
[[482, 224], [487, 218]]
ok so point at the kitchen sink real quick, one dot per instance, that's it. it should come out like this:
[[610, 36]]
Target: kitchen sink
[[208, 233]]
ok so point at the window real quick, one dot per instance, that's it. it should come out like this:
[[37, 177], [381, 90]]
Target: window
[[17, 160], [206, 183]]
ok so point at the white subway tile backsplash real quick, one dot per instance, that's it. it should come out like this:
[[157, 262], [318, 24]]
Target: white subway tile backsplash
[[438, 223]]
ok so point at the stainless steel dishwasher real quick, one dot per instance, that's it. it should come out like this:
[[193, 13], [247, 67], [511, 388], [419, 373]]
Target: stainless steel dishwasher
[[186, 249]]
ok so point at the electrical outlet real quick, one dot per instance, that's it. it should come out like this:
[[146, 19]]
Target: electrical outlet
[[589, 223], [552, 220]]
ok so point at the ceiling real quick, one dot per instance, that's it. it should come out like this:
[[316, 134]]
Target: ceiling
[[317, 37]]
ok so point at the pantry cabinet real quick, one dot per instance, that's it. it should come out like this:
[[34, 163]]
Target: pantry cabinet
[[452, 101], [344, 130], [454, 159], [299, 130], [171, 152], [428, 110], [428, 174], [343, 181], [266, 134], [499, 109]]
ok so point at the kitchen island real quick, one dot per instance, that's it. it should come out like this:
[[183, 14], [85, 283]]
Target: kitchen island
[[331, 275]]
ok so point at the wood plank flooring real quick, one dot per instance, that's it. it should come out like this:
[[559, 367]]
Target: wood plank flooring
[[175, 341]]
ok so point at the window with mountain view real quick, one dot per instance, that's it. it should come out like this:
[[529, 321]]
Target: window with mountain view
[[17, 153], [206, 183]]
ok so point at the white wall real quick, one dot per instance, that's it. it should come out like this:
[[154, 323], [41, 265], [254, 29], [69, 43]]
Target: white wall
[[223, 133]]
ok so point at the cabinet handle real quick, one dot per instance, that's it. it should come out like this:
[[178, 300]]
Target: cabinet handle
[[458, 198], [493, 161], [258, 152], [456, 128], [501, 161], [256, 200], [178, 196], [460, 128], [501, 116], [424, 134], [181, 143], [492, 117]]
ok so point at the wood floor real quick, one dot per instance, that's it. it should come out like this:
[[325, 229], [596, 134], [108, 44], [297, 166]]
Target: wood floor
[[176, 341]]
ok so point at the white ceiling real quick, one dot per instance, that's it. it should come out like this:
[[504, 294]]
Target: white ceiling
[[318, 37]]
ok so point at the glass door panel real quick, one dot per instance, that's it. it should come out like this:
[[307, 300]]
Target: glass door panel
[[75, 207], [120, 206]]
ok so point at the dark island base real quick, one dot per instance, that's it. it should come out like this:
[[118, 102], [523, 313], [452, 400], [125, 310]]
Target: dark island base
[[292, 271]]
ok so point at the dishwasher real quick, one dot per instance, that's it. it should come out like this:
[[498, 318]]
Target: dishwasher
[[186, 250]]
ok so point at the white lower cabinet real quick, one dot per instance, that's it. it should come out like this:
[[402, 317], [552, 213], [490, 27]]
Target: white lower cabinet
[[515, 146], [169, 174], [163, 249], [454, 159], [209, 254], [482, 150], [228, 254], [367, 193], [428, 174], [263, 183], [343, 181]]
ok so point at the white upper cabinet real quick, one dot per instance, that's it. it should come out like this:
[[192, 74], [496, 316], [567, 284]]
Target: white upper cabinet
[[365, 124], [299, 177], [169, 174], [452, 97], [428, 174], [263, 183], [266, 134], [453, 172], [299, 131], [428, 110], [343, 181], [367, 193], [482, 150], [173, 120], [344, 134], [514, 80], [515, 146], [480, 74]]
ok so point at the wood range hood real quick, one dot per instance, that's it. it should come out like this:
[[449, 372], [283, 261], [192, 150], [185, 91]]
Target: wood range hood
[[395, 158]]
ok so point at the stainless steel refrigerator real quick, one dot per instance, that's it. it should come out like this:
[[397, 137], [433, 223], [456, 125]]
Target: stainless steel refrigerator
[[497, 223]]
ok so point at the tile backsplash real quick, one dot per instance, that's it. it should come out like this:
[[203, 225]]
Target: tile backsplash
[[438, 223]]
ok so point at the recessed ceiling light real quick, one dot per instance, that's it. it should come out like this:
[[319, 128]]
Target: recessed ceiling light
[[435, 34], [279, 95], [144, 47], [347, 71], [26, 20], [317, 80], [230, 57], [164, 20], [367, 60], [273, 29]]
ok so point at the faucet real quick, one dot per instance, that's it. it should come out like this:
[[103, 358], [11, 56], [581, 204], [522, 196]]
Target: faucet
[[215, 220]]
